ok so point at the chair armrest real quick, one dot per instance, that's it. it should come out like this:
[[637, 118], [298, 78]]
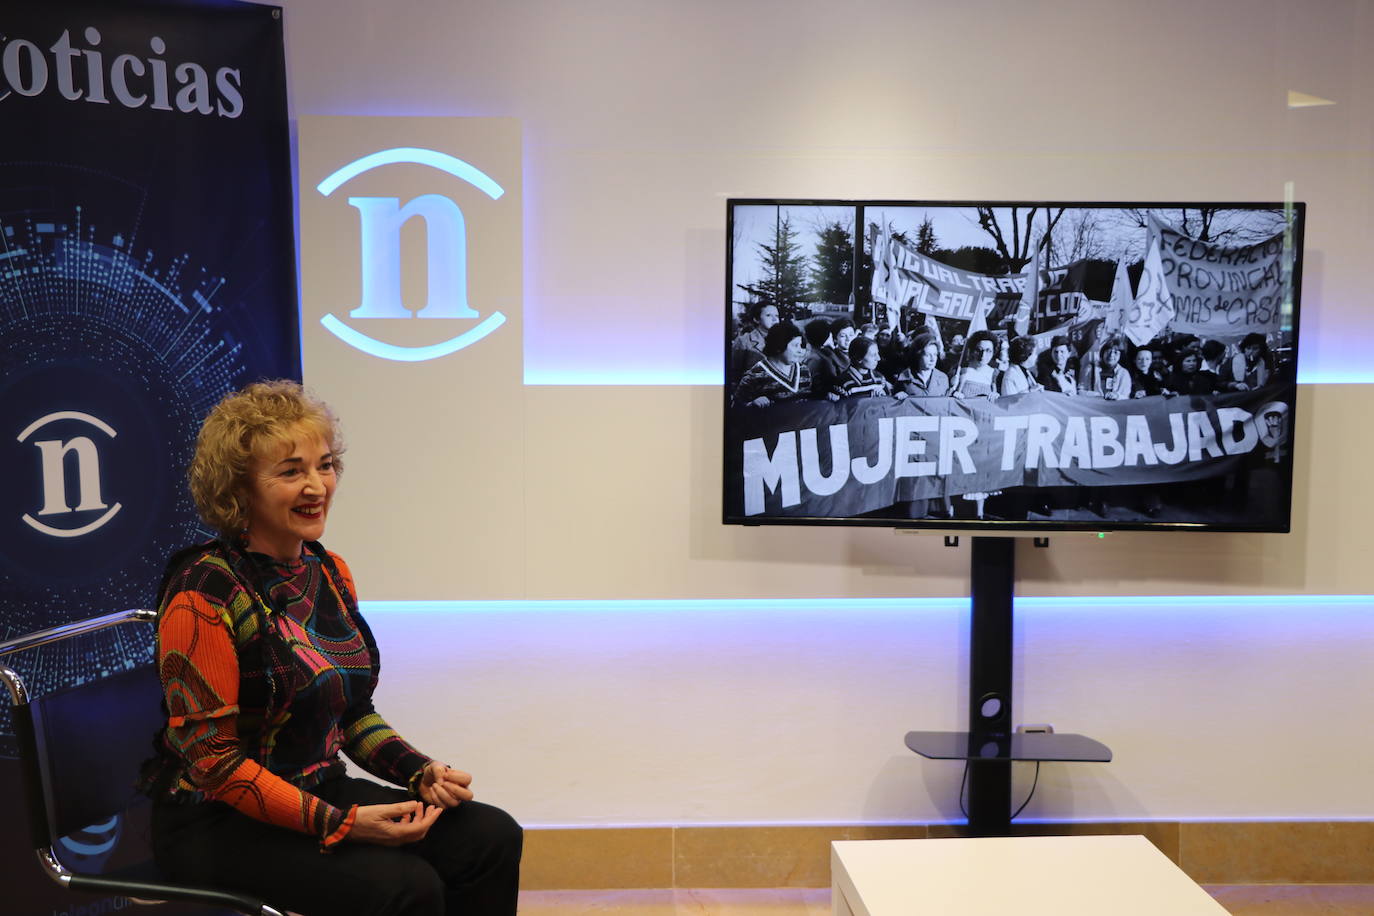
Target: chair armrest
[[149, 890]]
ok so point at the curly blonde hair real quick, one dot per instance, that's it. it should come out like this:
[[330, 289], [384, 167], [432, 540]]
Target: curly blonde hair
[[244, 425]]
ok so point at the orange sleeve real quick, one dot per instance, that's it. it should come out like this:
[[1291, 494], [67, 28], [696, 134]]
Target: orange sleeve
[[200, 679]]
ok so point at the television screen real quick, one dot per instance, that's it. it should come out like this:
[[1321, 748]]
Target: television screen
[[995, 365]]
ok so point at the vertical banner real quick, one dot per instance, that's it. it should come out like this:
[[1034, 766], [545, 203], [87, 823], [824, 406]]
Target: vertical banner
[[146, 267]]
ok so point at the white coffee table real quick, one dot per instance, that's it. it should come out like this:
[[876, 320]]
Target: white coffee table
[[1012, 876]]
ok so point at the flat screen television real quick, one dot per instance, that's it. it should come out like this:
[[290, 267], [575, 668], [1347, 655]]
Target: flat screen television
[[1012, 366]]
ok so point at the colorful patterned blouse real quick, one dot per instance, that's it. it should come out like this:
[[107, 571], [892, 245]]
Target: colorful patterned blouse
[[257, 722]]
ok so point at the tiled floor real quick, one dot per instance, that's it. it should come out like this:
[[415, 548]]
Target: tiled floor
[[1239, 900], [681, 902], [1295, 899]]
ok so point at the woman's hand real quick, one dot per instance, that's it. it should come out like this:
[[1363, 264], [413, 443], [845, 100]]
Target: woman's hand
[[393, 825], [444, 786]]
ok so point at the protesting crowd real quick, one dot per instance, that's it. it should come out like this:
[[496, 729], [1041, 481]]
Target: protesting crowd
[[773, 360]]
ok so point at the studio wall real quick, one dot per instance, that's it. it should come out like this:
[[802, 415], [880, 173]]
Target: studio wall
[[591, 475]]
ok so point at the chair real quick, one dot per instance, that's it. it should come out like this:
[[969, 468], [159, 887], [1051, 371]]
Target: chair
[[80, 750]]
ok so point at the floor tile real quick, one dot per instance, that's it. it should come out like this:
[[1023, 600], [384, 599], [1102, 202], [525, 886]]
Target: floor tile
[[1295, 899]]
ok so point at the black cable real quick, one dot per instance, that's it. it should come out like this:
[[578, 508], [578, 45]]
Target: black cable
[[1034, 782], [963, 782]]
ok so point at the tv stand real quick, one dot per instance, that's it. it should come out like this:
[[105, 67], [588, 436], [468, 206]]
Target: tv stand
[[991, 743]]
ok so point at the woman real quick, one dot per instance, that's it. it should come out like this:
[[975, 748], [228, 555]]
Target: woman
[[923, 378], [892, 359], [1019, 376], [862, 379], [781, 375], [747, 348], [818, 340], [268, 671], [1145, 381], [835, 355], [1180, 379], [1057, 373], [1107, 378], [977, 377], [1251, 367]]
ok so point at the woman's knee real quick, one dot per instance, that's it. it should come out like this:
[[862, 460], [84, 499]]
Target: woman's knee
[[414, 889], [474, 838]]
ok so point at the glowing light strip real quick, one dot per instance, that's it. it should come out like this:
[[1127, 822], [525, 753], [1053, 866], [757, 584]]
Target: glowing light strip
[[414, 156], [599, 375], [848, 605], [377, 348], [67, 415], [1336, 377], [71, 532]]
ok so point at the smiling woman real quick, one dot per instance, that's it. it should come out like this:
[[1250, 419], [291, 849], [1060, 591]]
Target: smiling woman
[[288, 495], [268, 671]]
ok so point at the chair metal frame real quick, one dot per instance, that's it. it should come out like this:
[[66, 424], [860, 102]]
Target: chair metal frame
[[37, 787]]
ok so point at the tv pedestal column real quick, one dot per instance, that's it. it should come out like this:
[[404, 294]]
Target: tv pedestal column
[[991, 743]]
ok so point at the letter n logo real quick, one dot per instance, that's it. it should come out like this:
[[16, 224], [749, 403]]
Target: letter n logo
[[53, 466], [381, 220]]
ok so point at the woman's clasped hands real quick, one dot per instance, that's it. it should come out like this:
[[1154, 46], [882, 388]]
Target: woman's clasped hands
[[399, 824], [444, 786]]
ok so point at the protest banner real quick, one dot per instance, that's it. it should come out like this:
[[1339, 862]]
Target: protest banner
[[1222, 292], [822, 459], [903, 276]]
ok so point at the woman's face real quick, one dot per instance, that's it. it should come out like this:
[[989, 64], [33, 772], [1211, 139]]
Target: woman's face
[[1252, 353], [1143, 359], [983, 353], [768, 316], [795, 352], [870, 360], [1189, 363], [929, 357], [289, 492], [845, 337], [1110, 357]]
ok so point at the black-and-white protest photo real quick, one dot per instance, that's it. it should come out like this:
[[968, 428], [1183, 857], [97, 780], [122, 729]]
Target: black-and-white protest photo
[[1018, 365]]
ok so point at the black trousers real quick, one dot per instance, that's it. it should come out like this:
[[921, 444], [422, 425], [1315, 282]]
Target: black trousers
[[468, 863]]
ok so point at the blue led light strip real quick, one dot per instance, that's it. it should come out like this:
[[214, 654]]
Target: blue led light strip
[[1229, 603]]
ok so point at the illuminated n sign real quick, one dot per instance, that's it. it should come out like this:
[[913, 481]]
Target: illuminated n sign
[[381, 219]]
